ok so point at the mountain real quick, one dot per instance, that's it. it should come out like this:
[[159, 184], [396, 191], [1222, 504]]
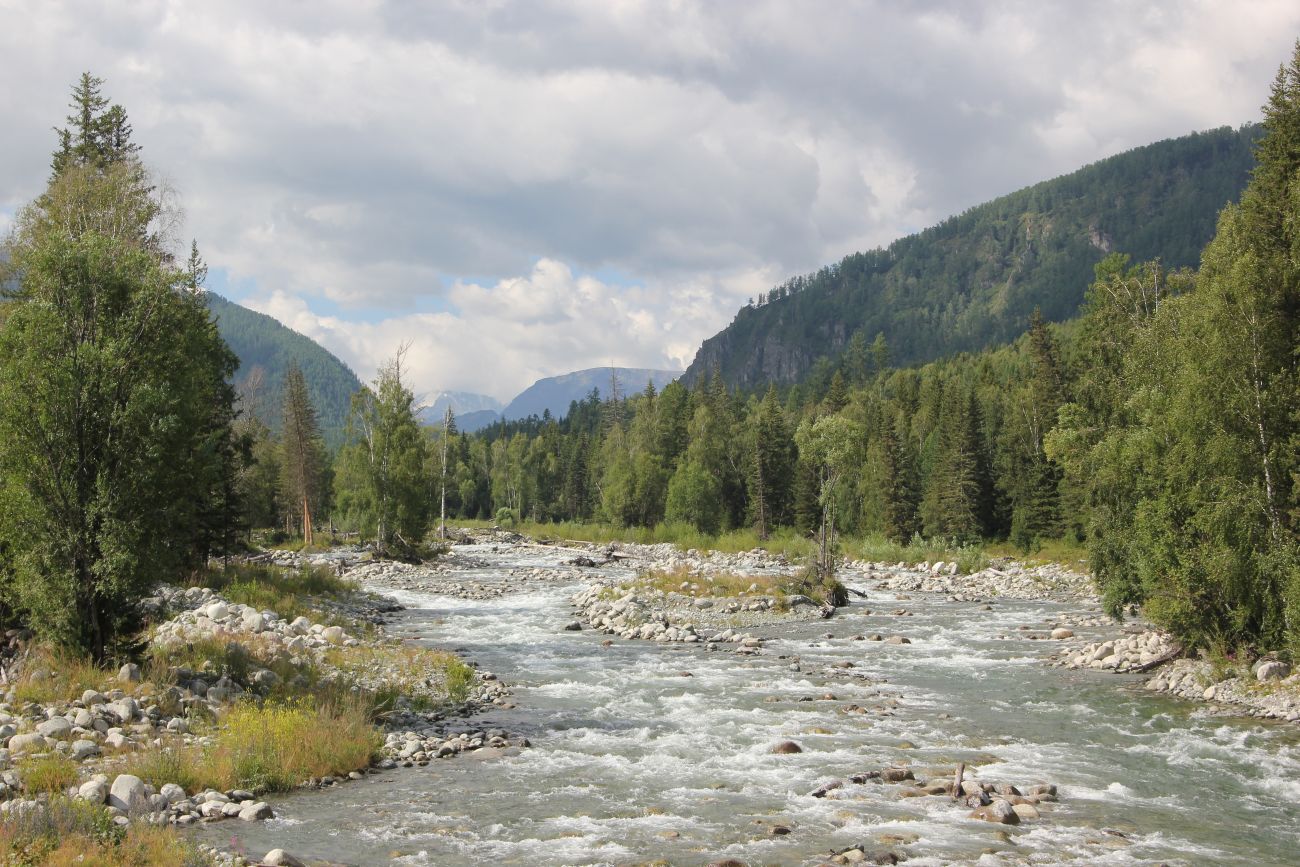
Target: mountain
[[555, 393], [476, 420], [973, 280], [461, 403], [263, 344]]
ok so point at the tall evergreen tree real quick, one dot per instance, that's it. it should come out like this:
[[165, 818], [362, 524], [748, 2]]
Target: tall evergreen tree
[[303, 454], [902, 488], [115, 408], [381, 484]]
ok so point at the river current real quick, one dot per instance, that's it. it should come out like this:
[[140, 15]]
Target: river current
[[634, 761]]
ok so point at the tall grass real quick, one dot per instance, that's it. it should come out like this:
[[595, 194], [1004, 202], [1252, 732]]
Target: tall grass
[[968, 557], [784, 541], [287, 592], [47, 774], [269, 748], [51, 674], [62, 832], [276, 747]]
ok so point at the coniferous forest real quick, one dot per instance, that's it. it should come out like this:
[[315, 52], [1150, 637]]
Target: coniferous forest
[[229, 569]]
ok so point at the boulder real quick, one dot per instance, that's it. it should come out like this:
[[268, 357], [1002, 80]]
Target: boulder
[[172, 793], [125, 709], [128, 794], [29, 741], [256, 811], [998, 812], [333, 634], [1061, 633], [1026, 811], [83, 749], [217, 611], [93, 791], [786, 748], [129, 673], [55, 728], [1272, 670], [281, 858]]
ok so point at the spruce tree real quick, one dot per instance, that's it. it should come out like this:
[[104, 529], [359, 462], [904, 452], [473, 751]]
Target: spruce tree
[[116, 451], [303, 454]]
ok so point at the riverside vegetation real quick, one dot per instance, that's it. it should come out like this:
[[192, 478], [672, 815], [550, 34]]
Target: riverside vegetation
[[1159, 431]]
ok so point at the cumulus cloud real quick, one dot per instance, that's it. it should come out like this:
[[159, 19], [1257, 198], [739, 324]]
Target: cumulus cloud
[[486, 159], [499, 338]]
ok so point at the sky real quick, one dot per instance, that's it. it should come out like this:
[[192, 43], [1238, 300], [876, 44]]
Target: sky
[[519, 189]]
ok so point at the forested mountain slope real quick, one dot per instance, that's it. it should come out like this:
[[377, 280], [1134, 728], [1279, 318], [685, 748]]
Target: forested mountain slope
[[973, 280], [262, 343]]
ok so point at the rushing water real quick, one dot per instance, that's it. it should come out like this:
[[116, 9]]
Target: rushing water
[[633, 762]]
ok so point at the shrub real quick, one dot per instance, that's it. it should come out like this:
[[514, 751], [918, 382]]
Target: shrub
[[63, 831], [172, 764], [505, 516], [276, 747], [52, 674], [49, 774]]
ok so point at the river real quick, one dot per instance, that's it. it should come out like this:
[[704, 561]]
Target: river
[[633, 761]]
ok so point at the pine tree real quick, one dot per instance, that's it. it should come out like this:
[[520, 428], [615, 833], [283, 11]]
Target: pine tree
[[116, 450], [959, 497], [381, 482], [303, 454], [902, 490]]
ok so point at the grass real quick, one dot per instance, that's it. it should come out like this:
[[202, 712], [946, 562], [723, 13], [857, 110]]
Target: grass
[[784, 541], [1067, 552], [53, 674], [276, 747], [64, 832], [969, 557], [688, 582], [426, 677], [287, 592], [48, 774]]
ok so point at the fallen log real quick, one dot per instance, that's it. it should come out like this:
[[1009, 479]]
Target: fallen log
[[1147, 666]]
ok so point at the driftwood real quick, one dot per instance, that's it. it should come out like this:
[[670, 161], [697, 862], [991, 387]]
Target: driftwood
[[856, 592], [1147, 666], [956, 780]]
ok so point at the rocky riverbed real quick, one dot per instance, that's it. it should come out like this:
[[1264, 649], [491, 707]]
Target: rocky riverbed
[[646, 746]]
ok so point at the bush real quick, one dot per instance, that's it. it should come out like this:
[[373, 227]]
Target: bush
[[52, 674], [49, 774], [287, 592], [276, 747], [505, 516], [64, 831]]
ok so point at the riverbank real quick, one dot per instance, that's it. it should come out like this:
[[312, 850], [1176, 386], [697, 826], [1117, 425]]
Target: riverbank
[[229, 703], [650, 750]]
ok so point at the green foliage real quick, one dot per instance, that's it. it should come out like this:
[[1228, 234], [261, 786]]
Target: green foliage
[[1185, 431], [302, 455], [382, 487], [266, 350], [48, 774], [972, 281], [117, 466]]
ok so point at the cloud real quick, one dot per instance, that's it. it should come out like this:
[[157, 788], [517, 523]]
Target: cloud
[[497, 339], [393, 156]]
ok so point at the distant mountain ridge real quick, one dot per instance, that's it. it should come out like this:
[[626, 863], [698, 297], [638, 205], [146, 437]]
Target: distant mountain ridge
[[551, 394], [462, 403], [262, 343], [973, 280], [555, 393]]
